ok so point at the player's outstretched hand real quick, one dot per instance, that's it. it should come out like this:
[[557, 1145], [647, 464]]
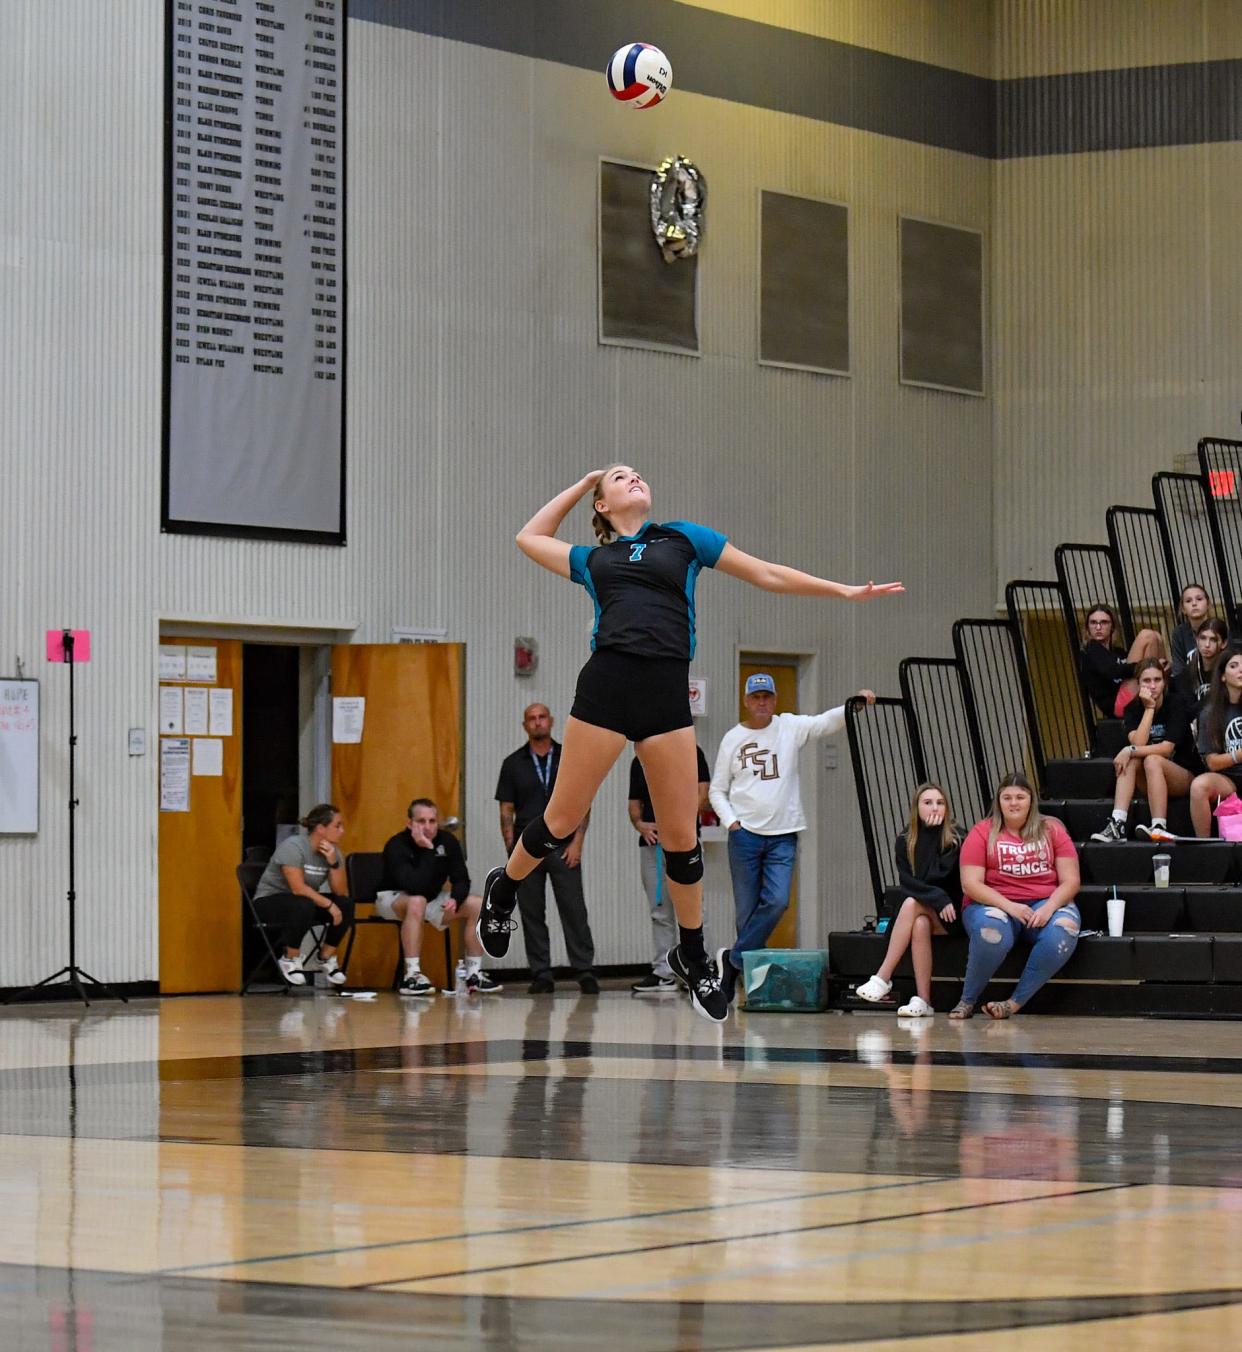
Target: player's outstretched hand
[[874, 589]]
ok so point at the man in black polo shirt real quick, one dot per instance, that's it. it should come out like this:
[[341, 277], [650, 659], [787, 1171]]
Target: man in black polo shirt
[[523, 790]]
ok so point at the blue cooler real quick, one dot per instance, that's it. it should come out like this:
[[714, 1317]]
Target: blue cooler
[[785, 980]]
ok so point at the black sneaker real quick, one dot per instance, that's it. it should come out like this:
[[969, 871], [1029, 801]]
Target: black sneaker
[[728, 974], [479, 983], [700, 979], [416, 985], [1112, 832], [654, 985], [495, 924]]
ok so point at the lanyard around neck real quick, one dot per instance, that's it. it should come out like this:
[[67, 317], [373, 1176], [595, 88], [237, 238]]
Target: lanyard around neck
[[544, 771]]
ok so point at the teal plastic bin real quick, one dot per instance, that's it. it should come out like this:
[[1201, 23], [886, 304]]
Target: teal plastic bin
[[785, 980]]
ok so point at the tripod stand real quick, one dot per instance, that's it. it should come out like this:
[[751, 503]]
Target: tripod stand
[[73, 976]]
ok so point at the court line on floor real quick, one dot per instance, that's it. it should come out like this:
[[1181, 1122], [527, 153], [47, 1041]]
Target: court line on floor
[[922, 1247], [729, 1239], [327, 1061], [504, 1231]]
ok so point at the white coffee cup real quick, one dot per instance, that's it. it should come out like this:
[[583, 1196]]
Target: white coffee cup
[[1160, 864], [1116, 916]]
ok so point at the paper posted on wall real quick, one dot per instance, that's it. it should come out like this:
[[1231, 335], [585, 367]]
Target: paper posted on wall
[[174, 774], [348, 713]]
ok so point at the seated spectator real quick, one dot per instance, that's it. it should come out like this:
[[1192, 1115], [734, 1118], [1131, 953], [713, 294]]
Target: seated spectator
[[1106, 669], [1194, 610], [1196, 678], [1220, 744], [927, 870], [303, 886], [418, 863], [1020, 877], [1160, 758]]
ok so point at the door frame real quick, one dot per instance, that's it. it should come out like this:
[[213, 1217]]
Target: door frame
[[806, 664]]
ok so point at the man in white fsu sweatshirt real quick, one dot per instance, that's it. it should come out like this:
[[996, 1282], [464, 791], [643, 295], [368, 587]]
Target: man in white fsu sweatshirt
[[754, 792]]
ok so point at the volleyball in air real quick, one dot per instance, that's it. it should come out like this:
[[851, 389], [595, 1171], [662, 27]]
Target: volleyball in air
[[639, 75]]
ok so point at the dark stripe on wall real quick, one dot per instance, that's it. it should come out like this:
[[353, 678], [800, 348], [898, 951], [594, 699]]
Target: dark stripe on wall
[[1133, 109], [784, 71], [726, 58]]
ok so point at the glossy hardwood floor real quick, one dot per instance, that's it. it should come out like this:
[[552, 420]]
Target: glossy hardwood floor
[[315, 1172]]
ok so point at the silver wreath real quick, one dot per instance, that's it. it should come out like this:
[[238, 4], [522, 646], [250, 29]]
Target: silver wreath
[[678, 197]]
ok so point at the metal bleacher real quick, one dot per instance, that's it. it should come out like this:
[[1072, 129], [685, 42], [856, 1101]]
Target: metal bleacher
[[1009, 698]]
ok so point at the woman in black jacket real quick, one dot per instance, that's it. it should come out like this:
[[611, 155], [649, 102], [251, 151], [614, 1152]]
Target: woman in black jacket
[[927, 871], [1107, 670]]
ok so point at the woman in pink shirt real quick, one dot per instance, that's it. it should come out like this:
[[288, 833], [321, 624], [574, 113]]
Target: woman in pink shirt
[[1020, 876]]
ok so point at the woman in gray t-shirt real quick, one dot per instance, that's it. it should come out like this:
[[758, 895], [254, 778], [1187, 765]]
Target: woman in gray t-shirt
[[303, 886]]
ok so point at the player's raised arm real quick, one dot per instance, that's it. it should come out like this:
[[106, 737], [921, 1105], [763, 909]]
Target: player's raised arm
[[776, 577], [537, 538]]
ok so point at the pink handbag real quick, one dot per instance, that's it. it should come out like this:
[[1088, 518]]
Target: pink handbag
[[1229, 817]]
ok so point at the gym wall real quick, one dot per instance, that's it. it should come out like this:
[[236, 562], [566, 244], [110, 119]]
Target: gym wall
[[1116, 276], [476, 389]]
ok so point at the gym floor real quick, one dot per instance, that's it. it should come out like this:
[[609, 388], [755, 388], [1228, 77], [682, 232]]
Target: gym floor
[[314, 1172]]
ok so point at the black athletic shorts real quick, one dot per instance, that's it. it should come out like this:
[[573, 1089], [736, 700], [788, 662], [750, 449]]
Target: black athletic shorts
[[636, 696]]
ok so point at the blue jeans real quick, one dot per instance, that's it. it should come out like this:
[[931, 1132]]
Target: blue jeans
[[762, 871], [994, 932]]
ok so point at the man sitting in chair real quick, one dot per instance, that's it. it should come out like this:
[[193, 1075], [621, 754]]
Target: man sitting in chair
[[418, 863]]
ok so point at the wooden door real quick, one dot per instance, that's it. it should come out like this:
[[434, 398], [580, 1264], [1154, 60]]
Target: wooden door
[[785, 674], [199, 850], [411, 747]]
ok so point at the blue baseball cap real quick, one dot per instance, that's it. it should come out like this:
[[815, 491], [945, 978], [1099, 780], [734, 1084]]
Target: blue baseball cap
[[760, 681]]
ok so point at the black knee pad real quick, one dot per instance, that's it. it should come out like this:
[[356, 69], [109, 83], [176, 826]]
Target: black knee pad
[[539, 842], [684, 866]]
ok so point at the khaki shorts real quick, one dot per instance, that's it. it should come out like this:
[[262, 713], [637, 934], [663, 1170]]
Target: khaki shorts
[[435, 908]]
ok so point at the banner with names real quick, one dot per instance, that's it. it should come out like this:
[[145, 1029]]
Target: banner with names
[[255, 269]]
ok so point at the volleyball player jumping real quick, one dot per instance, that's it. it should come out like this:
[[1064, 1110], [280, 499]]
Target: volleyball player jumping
[[635, 687]]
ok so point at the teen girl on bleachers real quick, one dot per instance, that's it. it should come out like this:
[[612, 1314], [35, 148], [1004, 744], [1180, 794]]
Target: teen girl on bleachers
[[1160, 756], [1194, 610], [1220, 744], [1196, 678], [1107, 670], [927, 869], [1020, 877]]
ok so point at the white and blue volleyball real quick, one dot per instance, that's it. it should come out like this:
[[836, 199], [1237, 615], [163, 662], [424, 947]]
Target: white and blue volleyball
[[639, 75]]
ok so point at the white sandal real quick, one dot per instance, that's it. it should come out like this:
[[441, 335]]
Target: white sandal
[[918, 1008], [874, 989]]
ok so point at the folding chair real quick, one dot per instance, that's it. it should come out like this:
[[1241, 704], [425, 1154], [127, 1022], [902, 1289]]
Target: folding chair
[[365, 872], [248, 876]]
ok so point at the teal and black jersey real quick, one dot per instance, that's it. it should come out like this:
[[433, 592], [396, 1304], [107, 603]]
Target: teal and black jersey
[[643, 587]]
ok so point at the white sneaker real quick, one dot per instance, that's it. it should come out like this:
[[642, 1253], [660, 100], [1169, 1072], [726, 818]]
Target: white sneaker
[[874, 989], [291, 970], [918, 1008], [332, 972]]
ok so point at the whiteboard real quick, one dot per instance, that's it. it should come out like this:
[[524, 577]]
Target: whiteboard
[[19, 757]]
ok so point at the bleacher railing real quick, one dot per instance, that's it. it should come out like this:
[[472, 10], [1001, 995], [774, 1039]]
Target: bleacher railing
[[1148, 599], [932, 689], [1062, 713], [882, 744], [1220, 462], [1089, 576], [1186, 532], [999, 708]]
